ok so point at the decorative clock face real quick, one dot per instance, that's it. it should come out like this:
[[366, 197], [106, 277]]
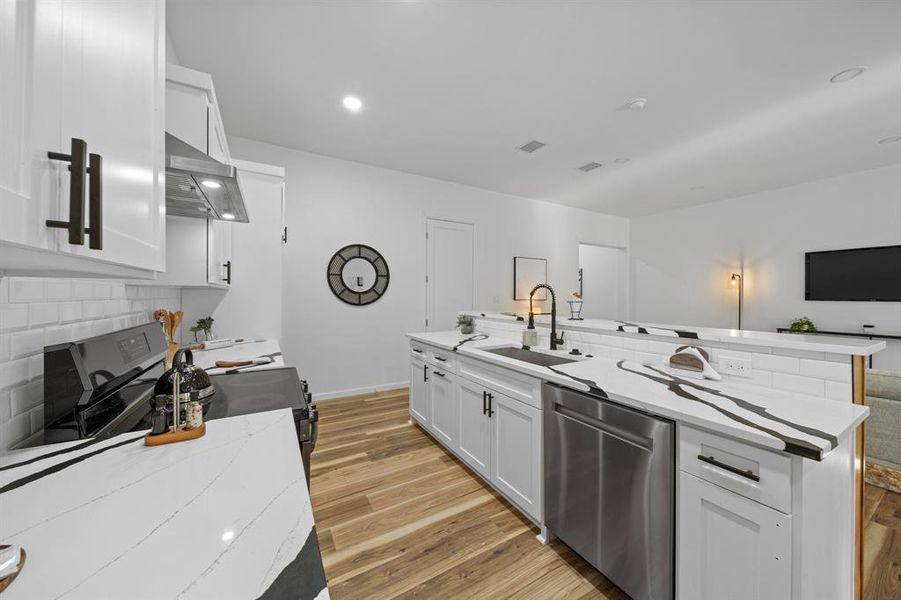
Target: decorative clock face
[[358, 274]]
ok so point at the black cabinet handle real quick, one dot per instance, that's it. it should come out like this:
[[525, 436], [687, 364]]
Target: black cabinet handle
[[425, 372], [484, 402], [417, 350], [95, 201], [490, 411], [77, 159], [438, 373], [228, 272], [712, 461], [441, 359], [285, 236]]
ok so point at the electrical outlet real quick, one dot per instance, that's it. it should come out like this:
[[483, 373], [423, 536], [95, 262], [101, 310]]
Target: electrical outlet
[[740, 367]]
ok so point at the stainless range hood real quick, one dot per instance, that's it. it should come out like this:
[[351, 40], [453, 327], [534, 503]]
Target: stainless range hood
[[199, 186]]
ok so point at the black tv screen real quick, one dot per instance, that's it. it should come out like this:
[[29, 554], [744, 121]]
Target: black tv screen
[[861, 274]]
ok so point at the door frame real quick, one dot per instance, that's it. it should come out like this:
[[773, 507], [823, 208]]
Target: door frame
[[425, 274]]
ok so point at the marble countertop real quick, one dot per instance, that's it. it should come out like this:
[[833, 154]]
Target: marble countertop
[[794, 423], [227, 515], [791, 341], [206, 359]]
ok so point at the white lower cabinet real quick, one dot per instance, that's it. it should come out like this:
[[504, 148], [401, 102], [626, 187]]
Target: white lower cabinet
[[475, 428], [419, 392], [444, 407], [497, 436], [516, 451], [730, 546]]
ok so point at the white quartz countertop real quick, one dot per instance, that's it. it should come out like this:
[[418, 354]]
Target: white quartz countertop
[[227, 515], [793, 423], [791, 341], [206, 359]]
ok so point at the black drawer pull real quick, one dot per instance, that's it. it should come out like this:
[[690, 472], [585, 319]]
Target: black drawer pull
[[712, 461], [441, 359], [490, 398], [417, 350], [484, 402], [228, 272], [438, 373], [78, 167], [425, 372], [95, 201]]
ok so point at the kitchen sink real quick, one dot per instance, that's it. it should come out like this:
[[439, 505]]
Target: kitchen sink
[[536, 358]]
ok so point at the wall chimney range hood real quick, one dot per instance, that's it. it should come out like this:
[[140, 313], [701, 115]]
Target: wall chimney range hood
[[199, 186]]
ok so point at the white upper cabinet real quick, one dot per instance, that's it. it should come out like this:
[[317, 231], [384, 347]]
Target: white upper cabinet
[[90, 71]]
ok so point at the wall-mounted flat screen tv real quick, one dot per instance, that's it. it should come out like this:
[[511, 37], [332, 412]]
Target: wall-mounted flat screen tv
[[860, 274]]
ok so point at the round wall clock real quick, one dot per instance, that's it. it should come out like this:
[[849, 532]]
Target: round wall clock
[[358, 274]]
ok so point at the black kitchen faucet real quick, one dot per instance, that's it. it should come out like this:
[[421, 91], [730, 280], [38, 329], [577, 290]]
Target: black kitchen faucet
[[554, 339]]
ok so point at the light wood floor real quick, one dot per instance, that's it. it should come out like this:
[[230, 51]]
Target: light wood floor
[[882, 544], [398, 517]]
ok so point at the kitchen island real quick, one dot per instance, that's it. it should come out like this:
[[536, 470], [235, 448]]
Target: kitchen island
[[762, 469], [227, 515]]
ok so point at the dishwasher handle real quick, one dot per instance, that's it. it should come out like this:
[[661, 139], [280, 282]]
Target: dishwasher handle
[[639, 441]]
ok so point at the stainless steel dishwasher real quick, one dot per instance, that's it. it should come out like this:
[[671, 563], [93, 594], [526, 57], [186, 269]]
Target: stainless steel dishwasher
[[610, 489]]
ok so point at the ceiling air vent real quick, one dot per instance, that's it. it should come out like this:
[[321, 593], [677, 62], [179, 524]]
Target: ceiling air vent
[[590, 167], [532, 146]]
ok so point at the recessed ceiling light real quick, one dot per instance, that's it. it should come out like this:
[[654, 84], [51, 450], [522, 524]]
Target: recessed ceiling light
[[635, 104], [890, 140], [352, 103], [621, 161], [210, 183], [228, 216], [847, 74]]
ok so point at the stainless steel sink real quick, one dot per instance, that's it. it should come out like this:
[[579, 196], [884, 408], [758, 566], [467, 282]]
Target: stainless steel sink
[[536, 358]]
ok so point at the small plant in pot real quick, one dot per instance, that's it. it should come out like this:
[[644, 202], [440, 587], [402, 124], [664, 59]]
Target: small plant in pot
[[465, 323], [802, 325]]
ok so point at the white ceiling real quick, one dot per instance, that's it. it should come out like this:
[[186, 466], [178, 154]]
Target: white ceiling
[[739, 98]]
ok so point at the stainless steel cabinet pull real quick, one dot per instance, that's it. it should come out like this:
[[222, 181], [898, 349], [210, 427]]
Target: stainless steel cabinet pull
[[95, 202], [77, 159], [749, 474]]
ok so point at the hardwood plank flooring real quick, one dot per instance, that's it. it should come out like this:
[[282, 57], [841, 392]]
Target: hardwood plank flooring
[[398, 517]]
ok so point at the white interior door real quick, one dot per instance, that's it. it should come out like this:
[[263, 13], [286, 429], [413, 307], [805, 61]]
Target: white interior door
[[604, 281], [449, 277]]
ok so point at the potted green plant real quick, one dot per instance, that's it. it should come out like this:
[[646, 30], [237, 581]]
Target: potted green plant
[[206, 326], [802, 325], [465, 323]]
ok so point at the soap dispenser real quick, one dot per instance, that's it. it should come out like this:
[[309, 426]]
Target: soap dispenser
[[530, 335]]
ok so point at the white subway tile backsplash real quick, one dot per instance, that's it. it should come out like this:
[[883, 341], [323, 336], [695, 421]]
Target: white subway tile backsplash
[[13, 316], [43, 313], [799, 353], [57, 289], [798, 384], [25, 289], [839, 391], [26, 343], [776, 363], [762, 378], [38, 312], [13, 373], [750, 348], [23, 399], [70, 311], [830, 371]]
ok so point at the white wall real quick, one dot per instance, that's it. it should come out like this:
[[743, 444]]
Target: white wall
[[37, 312], [681, 260], [331, 203]]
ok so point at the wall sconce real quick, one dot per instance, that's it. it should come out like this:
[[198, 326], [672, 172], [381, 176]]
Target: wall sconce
[[737, 280]]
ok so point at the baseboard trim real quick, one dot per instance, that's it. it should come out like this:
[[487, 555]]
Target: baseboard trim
[[372, 389]]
